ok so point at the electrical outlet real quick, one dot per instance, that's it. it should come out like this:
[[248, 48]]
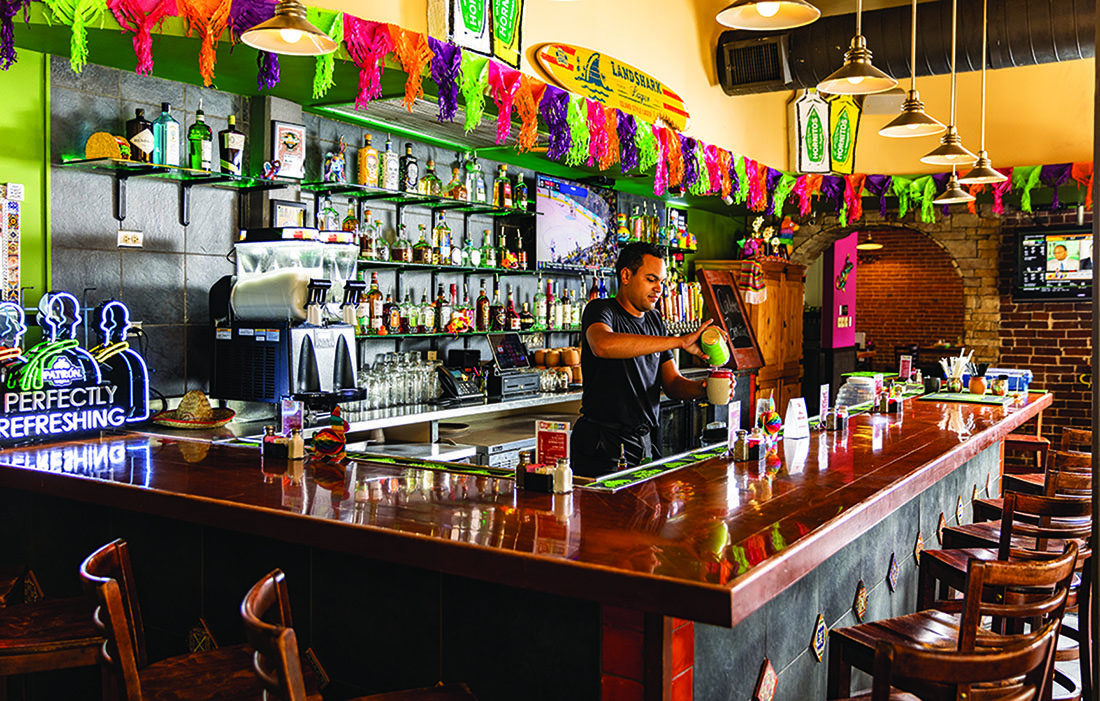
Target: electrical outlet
[[135, 325], [130, 238]]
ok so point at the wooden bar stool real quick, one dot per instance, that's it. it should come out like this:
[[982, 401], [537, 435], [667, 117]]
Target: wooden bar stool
[[221, 674], [1056, 483], [1011, 593], [276, 662], [1060, 460], [1015, 672], [1073, 440]]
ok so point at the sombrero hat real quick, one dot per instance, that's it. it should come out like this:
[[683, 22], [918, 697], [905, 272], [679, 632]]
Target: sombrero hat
[[194, 411]]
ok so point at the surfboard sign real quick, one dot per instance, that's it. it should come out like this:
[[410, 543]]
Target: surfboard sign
[[612, 83]]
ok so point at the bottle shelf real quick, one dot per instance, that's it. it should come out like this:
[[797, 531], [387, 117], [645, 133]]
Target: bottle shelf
[[465, 334], [431, 267], [186, 176], [371, 193], [673, 249]]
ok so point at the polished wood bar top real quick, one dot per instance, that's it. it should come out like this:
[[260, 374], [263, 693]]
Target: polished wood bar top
[[710, 542]]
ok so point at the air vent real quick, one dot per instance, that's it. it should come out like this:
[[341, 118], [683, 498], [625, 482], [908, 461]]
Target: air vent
[[753, 65]]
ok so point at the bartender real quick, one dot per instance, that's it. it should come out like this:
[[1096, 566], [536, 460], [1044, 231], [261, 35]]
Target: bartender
[[627, 360]]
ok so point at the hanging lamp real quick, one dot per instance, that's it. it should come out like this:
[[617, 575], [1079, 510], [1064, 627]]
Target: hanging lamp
[[857, 76], [913, 120], [289, 32], [954, 194], [761, 15], [951, 152], [983, 170], [869, 244]]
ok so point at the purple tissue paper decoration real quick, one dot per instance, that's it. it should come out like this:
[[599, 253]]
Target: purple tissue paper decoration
[[770, 181], [1055, 175], [832, 186], [8, 10], [445, 66], [245, 14], [941, 184], [628, 149], [691, 166], [267, 76], [880, 185], [554, 109], [735, 182]]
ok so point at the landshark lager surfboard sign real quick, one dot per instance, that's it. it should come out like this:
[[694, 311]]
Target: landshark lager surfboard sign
[[612, 82]]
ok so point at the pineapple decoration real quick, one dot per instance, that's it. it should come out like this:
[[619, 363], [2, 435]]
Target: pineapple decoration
[[329, 443]]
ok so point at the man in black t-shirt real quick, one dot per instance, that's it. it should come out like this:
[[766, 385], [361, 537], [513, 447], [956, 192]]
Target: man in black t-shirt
[[626, 360]]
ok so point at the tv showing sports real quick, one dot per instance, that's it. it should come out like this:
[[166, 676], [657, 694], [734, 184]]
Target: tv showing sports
[[1053, 264], [572, 228]]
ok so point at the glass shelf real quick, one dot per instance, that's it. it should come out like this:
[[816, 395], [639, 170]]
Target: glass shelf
[[429, 267], [371, 193], [467, 334], [185, 176], [673, 249]]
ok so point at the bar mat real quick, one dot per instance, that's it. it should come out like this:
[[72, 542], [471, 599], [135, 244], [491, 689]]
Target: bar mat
[[966, 397]]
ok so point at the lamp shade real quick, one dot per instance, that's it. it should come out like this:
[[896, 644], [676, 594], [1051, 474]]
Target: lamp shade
[[761, 15], [913, 121], [950, 152], [954, 194], [289, 32], [868, 245], [857, 76], [983, 172]]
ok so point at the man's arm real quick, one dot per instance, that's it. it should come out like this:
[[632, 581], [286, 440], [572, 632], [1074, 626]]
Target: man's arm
[[606, 343], [676, 386]]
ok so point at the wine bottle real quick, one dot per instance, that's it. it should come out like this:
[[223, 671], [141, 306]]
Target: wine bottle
[[231, 144], [200, 142], [166, 137], [140, 133]]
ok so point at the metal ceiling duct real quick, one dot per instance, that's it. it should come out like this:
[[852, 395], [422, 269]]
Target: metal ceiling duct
[[1021, 33]]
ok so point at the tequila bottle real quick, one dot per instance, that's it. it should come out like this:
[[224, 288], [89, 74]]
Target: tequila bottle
[[430, 184], [351, 222], [540, 307], [390, 168], [330, 218], [381, 245], [374, 305], [402, 247], [474, 183], [488, 250], [410, 171], [497, 319], [521, 193], [511, 317], [410, 313], [441, 241], [422, 250], [502, 189], [472, 254], [368, 163], [456, 189], [526, 319], [427, 315]]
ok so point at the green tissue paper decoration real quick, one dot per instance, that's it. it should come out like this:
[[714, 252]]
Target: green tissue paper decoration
[[1024, 180], [647, 145], [782, 192], [577, 116], [77, 14], [924, 190], [701, 186], [473, 81], [331, 23], [742, 192], [902, 188]]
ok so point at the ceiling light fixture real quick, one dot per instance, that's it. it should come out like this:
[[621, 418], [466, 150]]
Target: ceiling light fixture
[[983, 170], [762, 15], [954, 194], [869, 244], [951, 152], [913, 120], [289, 32], [857, 76]]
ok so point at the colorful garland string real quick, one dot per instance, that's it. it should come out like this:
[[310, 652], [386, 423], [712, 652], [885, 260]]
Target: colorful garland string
[[611, 129], [445, 67], [414, 53], [554, 110], [245, 14], [1024, 180], [78, 14], [770, 178], [853, 195], [725, 166], [758, 191], [503, 83], [474, 79], [577, 117], [1005, 186], [208, 18], [597, 132], [8, 10], [367, 44], [923, 190], [139, 17], [660, 177], [331, 23], [527, 101], [627, 127]]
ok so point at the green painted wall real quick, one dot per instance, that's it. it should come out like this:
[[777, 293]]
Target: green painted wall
[[24, 131]]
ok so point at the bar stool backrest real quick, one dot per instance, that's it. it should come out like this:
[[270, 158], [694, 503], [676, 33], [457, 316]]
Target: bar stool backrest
[[1017, 671], [109, 583], [1069, 461], [1068, 484], [276, 660], [1076, 439], [1053, 518]]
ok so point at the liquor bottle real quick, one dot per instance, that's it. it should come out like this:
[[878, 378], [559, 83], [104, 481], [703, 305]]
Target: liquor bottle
[[410, 171], [472, 253], [368, 163], [351, 222], [475, 186], [603, 288], [366, 244], [467, 310], [594, 291], [374, 306], [502, 189], [548, 307], [402, 247], [521, 254], [231, 146], [389, 167], [200, 142], [511, 318], [456, 309], [430, 184], [496, 310], [459, 257], [166, 137], [381, 245], [637, 225], [488, 250], [521, 193], [427, 315], [422, 250], [481, 317], [540, 306], [140, 133], [574, 310], [566, 310], [456, 189], [441, 241], [526, 318], [391, 315], [410, 314], [442, 311], [505, 259], [555, 310], [362, 316], [329, 217]]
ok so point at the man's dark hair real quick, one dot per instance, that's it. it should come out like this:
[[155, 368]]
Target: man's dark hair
[[630, 257], [1055, 248]]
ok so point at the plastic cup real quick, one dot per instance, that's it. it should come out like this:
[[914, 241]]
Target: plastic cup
[[718, 386], [714, 345]]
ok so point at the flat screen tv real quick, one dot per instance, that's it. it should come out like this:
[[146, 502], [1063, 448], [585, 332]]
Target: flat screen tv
[[572, 229], [1053, 264]]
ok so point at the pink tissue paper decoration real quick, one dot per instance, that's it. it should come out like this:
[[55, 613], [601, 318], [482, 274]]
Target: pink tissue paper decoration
[[140, 17], [503, 83], [367, 44], [597, 128]]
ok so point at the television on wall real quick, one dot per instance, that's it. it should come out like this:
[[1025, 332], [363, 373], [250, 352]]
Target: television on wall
[[573, 227], [1053, 264]]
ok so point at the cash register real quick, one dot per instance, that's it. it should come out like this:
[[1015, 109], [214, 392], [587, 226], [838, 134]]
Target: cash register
[[512, 375]]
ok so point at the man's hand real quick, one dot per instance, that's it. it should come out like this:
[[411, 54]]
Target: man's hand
[[690, 342]]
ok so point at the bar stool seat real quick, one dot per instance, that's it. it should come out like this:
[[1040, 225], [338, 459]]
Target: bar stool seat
[[222, 674], [49, 634]]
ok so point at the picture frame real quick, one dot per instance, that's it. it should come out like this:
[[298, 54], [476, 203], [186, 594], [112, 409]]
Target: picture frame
[[287, 214], [288, 147]]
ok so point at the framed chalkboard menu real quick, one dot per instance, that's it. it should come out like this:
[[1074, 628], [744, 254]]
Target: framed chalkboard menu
[[726, 307]]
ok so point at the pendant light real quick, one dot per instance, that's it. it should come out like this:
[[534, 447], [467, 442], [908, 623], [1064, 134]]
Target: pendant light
[[951, 152], [761, 15], [857, 76], [289, 32], [954, 194], [913, 120], [869, 244], [983, 171]]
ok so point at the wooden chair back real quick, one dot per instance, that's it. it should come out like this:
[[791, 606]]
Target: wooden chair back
[[1067, 461], [1077, 440], [267, 623], [1042, 518], [109, 583], [1067, 484], [1017, 671]]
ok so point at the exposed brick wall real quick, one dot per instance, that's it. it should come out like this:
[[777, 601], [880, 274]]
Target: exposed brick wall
[[908, 292]]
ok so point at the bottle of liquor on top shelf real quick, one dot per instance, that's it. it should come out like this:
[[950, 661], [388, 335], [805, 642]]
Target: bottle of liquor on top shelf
[[410, 170], [481, 316], [456, 189], [368, 163], [526, 319], [430, 184], [329, 218], [389, 167], [374, 305], [488, 250], [166, 137], [200, 142], [497, 321], [140, 133], [231, 145], [422, 250], [427, 315], [511, 317], [351, 222], [502, 189], [521, 193], [540, 306], [391, 313], [401, 251]]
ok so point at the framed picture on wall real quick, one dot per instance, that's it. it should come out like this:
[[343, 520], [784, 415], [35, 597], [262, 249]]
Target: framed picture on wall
[[288, 147], [288, 214]]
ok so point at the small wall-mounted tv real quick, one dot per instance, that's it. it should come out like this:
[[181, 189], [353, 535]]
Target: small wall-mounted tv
[[572, 229], [1053, 264]]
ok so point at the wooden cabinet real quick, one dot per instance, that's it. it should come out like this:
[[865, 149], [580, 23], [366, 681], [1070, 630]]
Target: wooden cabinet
[[777, 323]]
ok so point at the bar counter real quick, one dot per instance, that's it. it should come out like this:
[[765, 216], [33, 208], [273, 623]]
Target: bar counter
[[710, 543]]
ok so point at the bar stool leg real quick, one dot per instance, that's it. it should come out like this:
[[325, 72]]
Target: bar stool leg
[[839, 684]]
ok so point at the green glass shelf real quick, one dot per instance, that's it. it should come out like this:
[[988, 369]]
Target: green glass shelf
[[456, 269], [391, 336], [185, 176], [673, 249], [371, 193]]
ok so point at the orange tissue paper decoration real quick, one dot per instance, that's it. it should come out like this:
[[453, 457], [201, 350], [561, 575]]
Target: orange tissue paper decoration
[[675, 156], [1082, 175], [527, 100], [208, 18], [724, 158], [610, 155], [414, 54]]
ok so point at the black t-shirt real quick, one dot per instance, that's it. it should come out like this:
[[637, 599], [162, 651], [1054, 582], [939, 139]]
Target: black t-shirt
[[624, 391]]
